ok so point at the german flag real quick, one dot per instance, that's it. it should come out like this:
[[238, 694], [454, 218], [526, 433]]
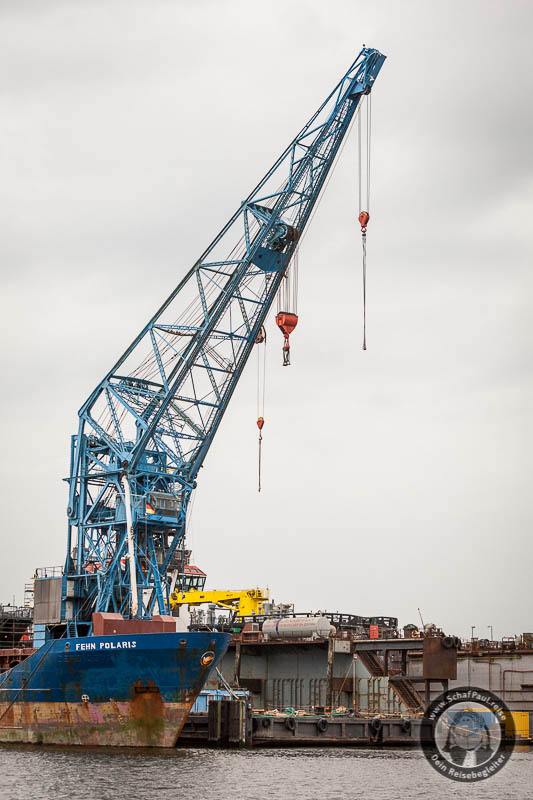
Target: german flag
[[150, 506]]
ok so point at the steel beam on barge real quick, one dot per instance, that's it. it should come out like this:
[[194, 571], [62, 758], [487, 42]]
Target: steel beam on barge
[[387, 644]]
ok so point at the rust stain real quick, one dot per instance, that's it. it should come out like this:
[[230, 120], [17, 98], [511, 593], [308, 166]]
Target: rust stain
[[145, 720], [148, 712]]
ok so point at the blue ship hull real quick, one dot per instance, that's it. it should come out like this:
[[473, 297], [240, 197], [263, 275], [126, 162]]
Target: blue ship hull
[[120, 690]]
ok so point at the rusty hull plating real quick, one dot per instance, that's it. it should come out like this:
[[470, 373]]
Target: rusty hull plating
[[122, 690]]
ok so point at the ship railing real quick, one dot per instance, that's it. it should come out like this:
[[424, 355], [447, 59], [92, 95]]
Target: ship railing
[[48, 572], [17, 612], [348, 626]]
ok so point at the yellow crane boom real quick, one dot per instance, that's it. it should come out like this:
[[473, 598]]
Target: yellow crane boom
[[244, 602]]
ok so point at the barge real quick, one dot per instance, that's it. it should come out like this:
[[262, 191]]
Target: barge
[[354, 670]]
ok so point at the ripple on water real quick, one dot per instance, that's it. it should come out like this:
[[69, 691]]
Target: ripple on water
[[28, 773]]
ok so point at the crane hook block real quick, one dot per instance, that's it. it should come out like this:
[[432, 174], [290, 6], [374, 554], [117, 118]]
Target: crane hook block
[[286, 322], [260, 423], [364, 219]]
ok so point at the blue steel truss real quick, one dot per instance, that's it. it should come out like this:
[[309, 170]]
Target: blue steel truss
[[146, 428]]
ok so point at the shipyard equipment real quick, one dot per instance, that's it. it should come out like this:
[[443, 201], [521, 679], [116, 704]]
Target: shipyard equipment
[[242, 602], [298, 627], [145, 430]]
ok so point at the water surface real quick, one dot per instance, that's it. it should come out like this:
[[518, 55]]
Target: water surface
[[43, 773]]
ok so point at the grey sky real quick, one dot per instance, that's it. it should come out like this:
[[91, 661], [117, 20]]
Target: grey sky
[[393, 479]]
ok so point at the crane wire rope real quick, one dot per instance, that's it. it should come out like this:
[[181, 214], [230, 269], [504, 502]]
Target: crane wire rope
[[364, 209], [261, 344], [193, 312], [149, 367]]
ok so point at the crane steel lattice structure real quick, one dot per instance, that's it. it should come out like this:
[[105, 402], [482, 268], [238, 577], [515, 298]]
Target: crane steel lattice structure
[[146, 428]]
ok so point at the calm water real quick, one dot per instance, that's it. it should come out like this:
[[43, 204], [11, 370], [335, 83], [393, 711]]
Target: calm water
[[52, 774]]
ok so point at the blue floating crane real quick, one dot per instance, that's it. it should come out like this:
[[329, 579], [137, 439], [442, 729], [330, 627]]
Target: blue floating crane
[[145, 430]]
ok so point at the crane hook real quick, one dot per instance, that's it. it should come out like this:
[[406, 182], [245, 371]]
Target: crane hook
[[286, 322]]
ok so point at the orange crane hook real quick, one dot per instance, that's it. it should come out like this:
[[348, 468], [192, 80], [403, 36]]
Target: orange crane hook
[[286, 322]]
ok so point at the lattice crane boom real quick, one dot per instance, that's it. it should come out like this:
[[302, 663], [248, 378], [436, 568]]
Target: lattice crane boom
[[145, 430]]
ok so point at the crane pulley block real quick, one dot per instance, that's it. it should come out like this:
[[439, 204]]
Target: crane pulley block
[[270, 260]]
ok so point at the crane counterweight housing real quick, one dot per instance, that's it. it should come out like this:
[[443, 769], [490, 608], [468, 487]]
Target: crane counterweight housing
[[145, 430]]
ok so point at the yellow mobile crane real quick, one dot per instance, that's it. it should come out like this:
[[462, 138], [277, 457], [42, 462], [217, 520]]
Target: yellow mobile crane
[[244, 602]]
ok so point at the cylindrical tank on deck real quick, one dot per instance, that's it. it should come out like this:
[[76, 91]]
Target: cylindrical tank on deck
[[298, 628]]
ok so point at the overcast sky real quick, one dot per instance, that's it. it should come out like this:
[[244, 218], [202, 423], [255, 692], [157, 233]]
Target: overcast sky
[[393, 479]]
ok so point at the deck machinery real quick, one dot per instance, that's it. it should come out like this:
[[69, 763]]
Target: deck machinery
[[145, 430], [241, 602]]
